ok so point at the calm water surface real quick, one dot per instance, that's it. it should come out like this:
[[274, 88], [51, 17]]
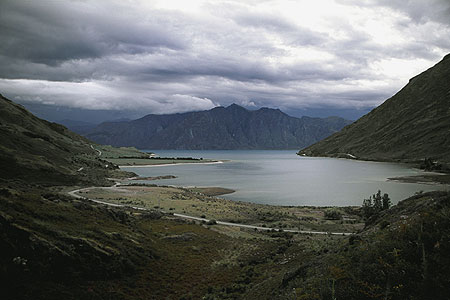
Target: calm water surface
[[284, 178]]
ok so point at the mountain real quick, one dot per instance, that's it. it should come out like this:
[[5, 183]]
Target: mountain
[[79, 127], [55, 246], [82, 127], [37, 151], [233, 127], [412, 125]]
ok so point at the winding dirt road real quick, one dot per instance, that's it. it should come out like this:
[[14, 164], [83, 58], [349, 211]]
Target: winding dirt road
[[116, 186]]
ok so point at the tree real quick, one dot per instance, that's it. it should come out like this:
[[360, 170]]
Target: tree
[[377, 201], [367, 208], [375, 204], [386, 201]]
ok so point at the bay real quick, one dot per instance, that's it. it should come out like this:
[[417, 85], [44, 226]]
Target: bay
[[280, 177]]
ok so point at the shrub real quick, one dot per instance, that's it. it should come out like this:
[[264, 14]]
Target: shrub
[[333, 215], [375, 204], [211, 222], [384, 224]]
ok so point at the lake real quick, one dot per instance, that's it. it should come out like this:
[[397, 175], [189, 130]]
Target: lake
[[281, 177]]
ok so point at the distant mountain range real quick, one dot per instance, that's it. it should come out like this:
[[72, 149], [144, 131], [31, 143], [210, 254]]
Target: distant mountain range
[[82, 127], [79, 127], [232, 127], [412, 125]]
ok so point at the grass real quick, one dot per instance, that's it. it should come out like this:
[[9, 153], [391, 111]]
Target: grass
[[79, 250], [109, 152], [193, 202], [154, 161], [426, 178], [212, 191], [55, 246], [130, 156]]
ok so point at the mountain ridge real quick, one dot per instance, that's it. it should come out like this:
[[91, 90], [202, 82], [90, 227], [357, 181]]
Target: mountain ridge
[[410, 126], [232, 127], [36, 151]]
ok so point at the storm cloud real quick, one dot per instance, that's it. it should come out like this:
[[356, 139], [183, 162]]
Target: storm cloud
[[174, 56]]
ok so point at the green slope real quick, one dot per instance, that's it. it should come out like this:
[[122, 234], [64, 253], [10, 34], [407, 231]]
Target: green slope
[[403, 253], [36, 151], [57, 247], [412, 125]]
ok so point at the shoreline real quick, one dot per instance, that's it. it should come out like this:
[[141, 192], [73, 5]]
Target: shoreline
[[202, 219], [172, 164], [428, 179]]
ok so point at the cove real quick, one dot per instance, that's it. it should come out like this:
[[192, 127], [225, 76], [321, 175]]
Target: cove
[[280, 177]]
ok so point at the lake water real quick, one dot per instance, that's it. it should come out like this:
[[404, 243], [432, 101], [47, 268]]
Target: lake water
[[283, 178]]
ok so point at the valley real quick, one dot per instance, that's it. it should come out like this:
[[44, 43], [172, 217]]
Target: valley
[[74, 225]]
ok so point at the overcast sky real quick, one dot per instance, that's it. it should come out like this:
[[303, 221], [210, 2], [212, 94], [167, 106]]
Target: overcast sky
[[176, 56]]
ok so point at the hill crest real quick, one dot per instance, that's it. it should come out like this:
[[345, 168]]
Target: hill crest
[[410, 126], [36, 151]]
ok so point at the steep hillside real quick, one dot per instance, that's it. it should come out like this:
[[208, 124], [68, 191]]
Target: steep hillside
[[58, 247], [233, 127], [412, 125], [37, 151], [402, 253]]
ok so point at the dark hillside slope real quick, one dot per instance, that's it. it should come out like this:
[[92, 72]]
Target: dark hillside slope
[[54, 246], [34, 150], [233, 127], [412, 125], [402, 253]]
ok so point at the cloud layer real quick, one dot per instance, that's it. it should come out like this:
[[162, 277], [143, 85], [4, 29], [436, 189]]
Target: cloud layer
[[173, 56]]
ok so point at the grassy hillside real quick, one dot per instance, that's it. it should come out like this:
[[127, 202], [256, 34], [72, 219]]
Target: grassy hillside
[[403, 253], [412, 125], [36, 151], [55, 247], [58, 247]]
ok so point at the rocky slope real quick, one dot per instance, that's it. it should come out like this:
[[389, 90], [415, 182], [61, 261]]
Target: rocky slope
[[412, 125], [233, 127]]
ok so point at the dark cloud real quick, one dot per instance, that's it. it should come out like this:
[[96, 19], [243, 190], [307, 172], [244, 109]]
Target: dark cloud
[[137, 55], [51, 32]]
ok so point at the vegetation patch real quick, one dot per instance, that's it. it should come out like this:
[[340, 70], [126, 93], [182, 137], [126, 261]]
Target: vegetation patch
[[195, 203]]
